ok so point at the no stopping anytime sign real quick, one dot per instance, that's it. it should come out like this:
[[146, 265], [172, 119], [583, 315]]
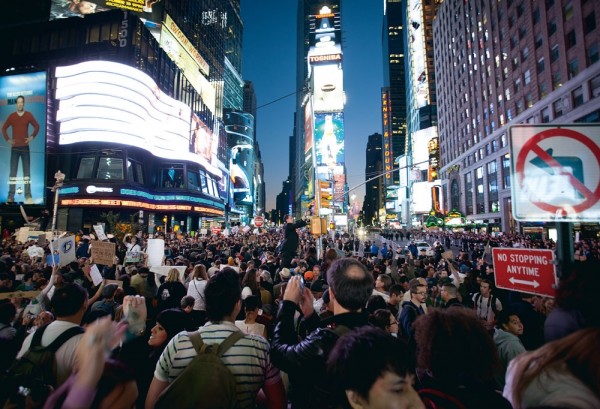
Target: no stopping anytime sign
[[527, 270]]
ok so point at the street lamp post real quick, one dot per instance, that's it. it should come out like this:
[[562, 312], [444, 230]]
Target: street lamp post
[[60, 178]]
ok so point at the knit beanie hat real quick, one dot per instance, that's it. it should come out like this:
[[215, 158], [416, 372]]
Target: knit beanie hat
[[173, 321]]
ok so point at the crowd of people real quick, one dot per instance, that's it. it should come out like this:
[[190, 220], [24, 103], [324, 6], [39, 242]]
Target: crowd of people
[[368, 323]]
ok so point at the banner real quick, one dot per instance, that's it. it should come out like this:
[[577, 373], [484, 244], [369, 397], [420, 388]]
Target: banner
[[103, 252]]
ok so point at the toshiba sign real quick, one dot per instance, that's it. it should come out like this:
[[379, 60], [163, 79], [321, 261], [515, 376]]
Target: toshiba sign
[[526, 270]]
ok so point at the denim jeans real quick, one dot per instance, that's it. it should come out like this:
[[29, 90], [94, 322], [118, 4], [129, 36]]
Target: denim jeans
[[19, 152]]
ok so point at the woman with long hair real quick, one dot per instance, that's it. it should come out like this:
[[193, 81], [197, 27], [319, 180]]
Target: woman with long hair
[[196, 289], [564, 373], [456, 360], [171, 292], [250, 284]]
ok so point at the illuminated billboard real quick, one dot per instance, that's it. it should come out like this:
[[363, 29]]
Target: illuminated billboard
[[188, 59], [23, 119], [421, 197], [420, 143], [149, 9], [102, 101], [328, 88], [240, 141], [308, 127], [418, 58], [329, 138], [386, 119]]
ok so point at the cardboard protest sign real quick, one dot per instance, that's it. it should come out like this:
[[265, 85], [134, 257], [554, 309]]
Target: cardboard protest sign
[[103, 252]]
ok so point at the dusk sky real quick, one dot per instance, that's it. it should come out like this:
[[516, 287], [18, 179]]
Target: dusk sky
[[269, 62]]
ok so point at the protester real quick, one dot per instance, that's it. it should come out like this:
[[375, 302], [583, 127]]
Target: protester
[[248, 358], [371, 370], [456, 360], [350, 285], [562, 374]]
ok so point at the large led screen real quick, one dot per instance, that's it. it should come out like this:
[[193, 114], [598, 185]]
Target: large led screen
[[329, 138], [240, 140], [149, 9], [308, 127], [420, 143], [418, 58], [23, 119], [102, 101], [328, 88], [189, 60]]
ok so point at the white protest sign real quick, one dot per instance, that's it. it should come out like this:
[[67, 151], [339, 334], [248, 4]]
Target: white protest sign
[[95, 274], [100, 232], [156, 252]]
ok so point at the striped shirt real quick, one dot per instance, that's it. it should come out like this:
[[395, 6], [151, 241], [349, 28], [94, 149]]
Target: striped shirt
[[248, 359]]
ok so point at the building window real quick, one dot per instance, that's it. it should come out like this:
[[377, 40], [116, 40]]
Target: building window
[[539, 40], [551, 27], [86, 168], [592, 54], [577, 97], [172, 177], [573, 68], [570, 39], [556, 80], [529, 100], [554, 53], [479, 197], [135, 172], [543, 89], [595, 86], [492, 176], [545, 115], [589, 23], [536, 15], [568, 11], [192, 180], [469, 192], [557, 106], [110, 168], [541, 65], [527, 77], [454, 195], [506, 171]]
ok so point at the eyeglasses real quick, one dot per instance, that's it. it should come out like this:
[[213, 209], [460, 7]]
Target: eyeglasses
[[421, 293], [393, 323]]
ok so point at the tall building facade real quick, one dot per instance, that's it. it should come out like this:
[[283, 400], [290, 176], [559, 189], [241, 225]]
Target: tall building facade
[[500, 64], [320, 172], [394, 82], [420, 172], [167, 153], [373, 203]]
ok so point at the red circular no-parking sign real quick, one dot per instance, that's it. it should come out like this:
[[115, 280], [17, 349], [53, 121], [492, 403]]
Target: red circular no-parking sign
[[532, 145]]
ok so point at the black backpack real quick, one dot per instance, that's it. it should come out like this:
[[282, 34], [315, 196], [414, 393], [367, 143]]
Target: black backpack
[[206, 383], [31, 378]]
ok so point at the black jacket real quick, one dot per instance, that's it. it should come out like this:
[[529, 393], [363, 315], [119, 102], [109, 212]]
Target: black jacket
[[305, 360], [290, 237]]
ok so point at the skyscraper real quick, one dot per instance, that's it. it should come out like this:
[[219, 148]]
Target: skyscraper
[[373, 201], [423, 189], [500, 64], [319, 119]]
